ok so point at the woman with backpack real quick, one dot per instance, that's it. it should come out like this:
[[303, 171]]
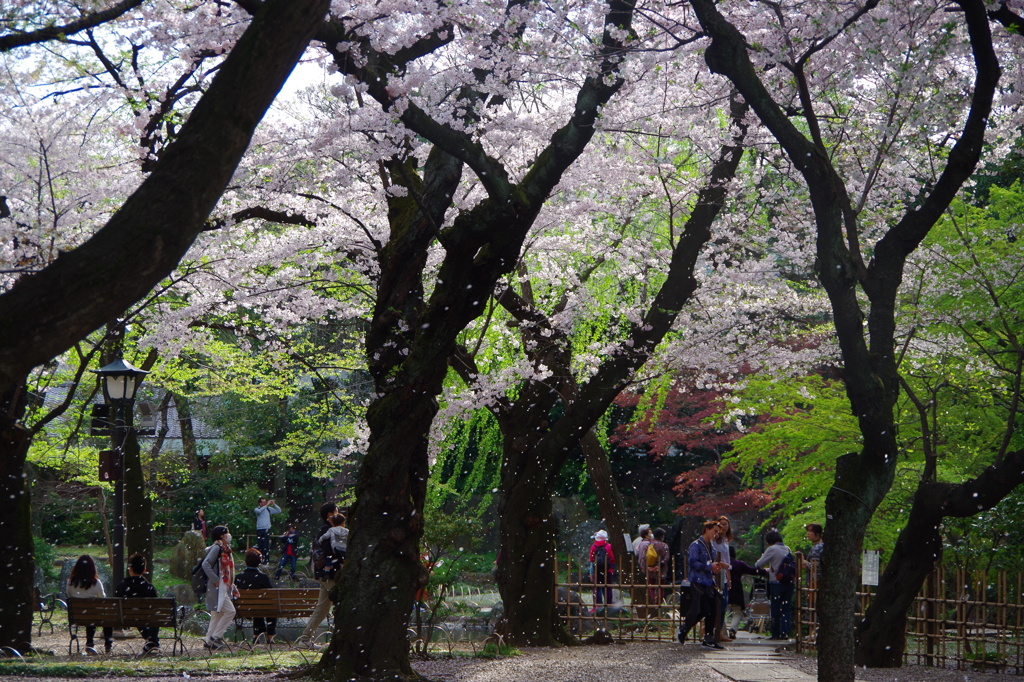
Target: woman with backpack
[[219, 568], [652, 553], [781, 567], [602, 560]]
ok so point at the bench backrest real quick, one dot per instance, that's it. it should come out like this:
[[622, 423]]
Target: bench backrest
[[127, 612], [287, 602]]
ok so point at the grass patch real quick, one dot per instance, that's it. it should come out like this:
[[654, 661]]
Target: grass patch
[[495, 650], [237, 663]]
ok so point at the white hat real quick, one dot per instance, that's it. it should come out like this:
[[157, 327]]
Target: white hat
[[601, 535], [643, 527]]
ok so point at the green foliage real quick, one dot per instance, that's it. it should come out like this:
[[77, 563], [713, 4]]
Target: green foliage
[[961, 364], [45, 556]]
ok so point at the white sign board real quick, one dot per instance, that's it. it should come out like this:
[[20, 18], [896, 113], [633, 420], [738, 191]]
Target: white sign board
[[869, 567]]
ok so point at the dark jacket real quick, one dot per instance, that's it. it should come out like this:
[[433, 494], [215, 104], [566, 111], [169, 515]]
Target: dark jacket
[[135, 586], [252, 579], [739, 569]]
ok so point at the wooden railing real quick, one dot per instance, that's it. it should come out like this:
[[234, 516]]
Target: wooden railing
[[958, 620], [638, 610]]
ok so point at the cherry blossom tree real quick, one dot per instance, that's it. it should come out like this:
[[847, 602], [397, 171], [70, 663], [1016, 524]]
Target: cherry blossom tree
[[45, 312], [800, 74]]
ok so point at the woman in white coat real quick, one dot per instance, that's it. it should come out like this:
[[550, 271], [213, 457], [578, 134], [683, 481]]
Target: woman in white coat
[[85, 582], [220, 587]]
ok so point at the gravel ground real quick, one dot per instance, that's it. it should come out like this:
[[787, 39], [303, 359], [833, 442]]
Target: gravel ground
[[647, 662], [632, 662]]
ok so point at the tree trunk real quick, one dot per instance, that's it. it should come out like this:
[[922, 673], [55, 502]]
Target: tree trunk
[[379, 582], [526, 566], [188, 435], [881, 634], [609, 499], [138, 508], [17, 580], [848, 515]]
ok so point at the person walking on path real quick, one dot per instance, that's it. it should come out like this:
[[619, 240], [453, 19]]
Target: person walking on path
[[704, 595], [327, 581], [737, 602], [252, 578], [263, 512], [85, 583], [290, 554], [136, 585], [220, 587], [720, 548], [780, 591]]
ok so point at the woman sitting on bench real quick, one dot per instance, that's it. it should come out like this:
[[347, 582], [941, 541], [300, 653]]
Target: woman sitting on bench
[[85, 582]]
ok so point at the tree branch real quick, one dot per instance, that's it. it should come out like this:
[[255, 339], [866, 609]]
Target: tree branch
[[12, 40]]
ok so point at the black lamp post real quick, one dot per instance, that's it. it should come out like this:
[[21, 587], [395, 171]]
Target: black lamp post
[[120, 382]]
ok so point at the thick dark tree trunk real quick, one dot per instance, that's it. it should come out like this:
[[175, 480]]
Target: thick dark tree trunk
[[526, 567], [848, 515], [881, 634], [379, 583], [15, 526]]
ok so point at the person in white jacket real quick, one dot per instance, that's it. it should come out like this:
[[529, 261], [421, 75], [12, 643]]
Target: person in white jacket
[[85, 582]]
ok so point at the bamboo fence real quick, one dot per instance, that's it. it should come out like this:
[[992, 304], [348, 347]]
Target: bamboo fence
[[958, 621]]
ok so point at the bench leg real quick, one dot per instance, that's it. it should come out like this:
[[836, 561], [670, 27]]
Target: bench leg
[[73, 631]]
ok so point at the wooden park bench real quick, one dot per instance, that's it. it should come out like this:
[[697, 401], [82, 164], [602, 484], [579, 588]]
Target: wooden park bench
[[279, 602], [124, 613]]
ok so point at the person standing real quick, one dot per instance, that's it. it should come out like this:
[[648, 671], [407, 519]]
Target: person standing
[[136, 585], [199, 523], [815, 534], [327, 582], [602, 560], [704, 595], [263, 511], [219, 568], [721, 547], [779, 593], [290, 554], [653, 555], [85, 583], [642, 533], [252, 578]]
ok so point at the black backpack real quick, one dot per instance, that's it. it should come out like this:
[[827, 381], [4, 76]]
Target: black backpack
[[787, 570], [601, 564], [199, 578], [323, 567]]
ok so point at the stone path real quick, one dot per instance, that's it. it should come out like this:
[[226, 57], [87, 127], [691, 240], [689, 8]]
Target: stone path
[[755, 659]]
